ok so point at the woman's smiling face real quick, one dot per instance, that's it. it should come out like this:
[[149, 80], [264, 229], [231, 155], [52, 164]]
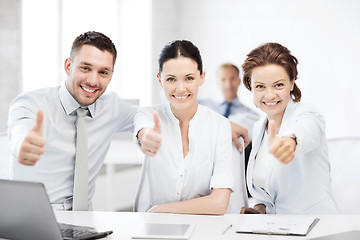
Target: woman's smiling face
[[181, 80], [271, 87]]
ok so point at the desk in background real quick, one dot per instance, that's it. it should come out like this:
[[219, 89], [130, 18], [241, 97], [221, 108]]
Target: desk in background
[[118, 180], [207, 227]]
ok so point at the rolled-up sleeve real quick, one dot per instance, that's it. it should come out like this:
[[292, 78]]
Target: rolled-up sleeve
[[222, 174]]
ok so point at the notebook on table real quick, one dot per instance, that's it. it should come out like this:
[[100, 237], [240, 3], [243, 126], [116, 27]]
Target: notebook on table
[[26, 213], [296, 225]]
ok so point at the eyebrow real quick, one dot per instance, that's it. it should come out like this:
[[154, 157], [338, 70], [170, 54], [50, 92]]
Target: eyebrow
[[279, 80], [170, 75], [89, 64], [190, 74], [274, 82]]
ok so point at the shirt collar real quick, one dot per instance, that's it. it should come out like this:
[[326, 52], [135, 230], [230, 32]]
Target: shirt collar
[[176, 121], [234, 102], [70, 104]]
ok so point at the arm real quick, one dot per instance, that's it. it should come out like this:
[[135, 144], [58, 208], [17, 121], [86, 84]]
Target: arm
[[306, 133], [25, 130], [308, 128], [214, 204]]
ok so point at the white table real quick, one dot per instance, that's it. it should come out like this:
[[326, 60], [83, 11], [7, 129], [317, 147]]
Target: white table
[[207, 227]]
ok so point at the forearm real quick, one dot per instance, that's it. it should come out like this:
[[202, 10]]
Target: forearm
[[214, 204], [309, 131], [18, 128]]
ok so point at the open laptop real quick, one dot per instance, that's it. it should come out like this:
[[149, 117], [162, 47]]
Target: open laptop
[[26, 213]]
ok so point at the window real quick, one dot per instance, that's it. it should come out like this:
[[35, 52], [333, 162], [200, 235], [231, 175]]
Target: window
[[50, 26]]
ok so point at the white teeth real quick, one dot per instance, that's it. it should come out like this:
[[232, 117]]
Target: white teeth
[[88, 90], [180, 97], [271, 103]]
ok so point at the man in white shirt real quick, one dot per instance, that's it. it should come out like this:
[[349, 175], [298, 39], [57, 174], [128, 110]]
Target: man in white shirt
[[229, 82], [42, 123]]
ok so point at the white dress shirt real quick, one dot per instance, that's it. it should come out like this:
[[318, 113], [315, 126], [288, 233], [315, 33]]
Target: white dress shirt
[[173, 178], [239, 113], [55, 169]]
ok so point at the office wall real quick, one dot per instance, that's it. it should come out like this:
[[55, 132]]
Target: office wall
[[323, 35], [10, 55]]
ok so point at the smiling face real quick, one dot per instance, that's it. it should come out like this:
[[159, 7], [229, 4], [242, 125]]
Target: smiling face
[[271, 87], [229, 82], [181, 80], [89, 73]]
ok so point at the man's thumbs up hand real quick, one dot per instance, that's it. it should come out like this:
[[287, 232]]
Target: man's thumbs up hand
[[33, 144]]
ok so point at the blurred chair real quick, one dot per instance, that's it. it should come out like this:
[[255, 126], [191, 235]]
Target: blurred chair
[[4, 156], [238, 197], [344, 156]]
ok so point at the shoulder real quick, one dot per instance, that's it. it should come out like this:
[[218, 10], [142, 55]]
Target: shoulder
[[112, 100], [149, 110], [298, 109], [242, 108], [209, 115], [210, 103], [37, 97]]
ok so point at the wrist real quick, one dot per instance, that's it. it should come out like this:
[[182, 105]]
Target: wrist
[[138, 137]]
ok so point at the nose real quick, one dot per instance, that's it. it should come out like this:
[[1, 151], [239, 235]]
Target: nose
[[181, 86], [227, 84], [270, 93], [92, 79]]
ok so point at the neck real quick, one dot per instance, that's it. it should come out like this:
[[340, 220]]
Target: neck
[[185, 115], [230, 99]]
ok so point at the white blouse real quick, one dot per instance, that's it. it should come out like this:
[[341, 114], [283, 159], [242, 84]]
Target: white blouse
[[173, 178]]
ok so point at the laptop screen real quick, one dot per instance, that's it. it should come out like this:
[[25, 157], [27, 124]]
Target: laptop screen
[[26, 212]]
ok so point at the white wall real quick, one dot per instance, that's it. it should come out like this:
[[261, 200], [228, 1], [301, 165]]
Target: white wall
[[323, 35], [10, 56]]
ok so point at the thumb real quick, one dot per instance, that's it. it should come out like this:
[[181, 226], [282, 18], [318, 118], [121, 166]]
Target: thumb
[[157, 122], [272, 130], [39, 120]]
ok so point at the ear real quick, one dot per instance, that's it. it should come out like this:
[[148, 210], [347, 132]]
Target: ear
[[202, 76], [159, 79], [292, 85], [67, 66], [238, 81]]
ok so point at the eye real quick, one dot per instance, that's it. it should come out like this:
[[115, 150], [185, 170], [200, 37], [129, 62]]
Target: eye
[[279, 85], [259, 86], [104, 73], [170, 79], [189, 78], [84, 68]]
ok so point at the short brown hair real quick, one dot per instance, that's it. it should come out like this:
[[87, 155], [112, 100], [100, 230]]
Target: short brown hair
[[95, 39], [272, 53]]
